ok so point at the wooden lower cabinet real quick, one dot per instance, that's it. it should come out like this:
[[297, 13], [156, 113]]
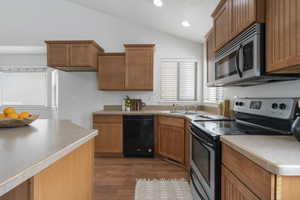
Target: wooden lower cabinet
[[110, 137], [21, 192], [233, 189], [242, 179], [171, 139], [70, 178]]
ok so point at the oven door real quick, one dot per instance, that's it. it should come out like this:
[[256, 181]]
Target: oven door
[[203, 164]]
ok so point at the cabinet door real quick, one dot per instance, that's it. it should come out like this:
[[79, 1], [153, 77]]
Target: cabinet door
[[233, 189], [109, 139], [171, 142], [111, 72], [222, 25], [283, 35], [163, 136], [80, 55], [139, 68], [58, 55], [243, 15], [210, 43]]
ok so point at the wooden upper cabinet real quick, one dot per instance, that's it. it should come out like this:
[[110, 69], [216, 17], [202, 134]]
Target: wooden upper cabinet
[[245, 13], [232, 17], [111, 72], [139, 67], [58, 55], [222, 25], [210, 54], [283, 36], [73, 55]]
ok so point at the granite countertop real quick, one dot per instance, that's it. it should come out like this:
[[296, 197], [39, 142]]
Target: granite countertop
[[152, 112], [26, 151], [277, 154]]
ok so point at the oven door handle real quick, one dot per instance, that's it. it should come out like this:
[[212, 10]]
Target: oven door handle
[[237, 61], [201, 140], [197, 190]]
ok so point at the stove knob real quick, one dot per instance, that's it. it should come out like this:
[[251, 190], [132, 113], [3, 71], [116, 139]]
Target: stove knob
[[237, 103], [241, 103], [282, 106], [274, 105]]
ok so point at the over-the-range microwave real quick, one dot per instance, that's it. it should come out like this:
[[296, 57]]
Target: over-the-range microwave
[[242, 61]]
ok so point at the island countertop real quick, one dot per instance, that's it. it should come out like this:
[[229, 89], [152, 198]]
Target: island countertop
[[277, 154], [26, 151]]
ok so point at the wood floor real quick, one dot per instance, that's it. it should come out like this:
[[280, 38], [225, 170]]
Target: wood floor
[[116, 177]]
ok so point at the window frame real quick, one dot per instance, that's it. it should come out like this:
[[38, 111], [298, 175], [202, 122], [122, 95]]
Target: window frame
[[197, 77], [51, 99]]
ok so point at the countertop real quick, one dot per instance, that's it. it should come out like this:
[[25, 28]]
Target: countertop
[[277, 154], [154, 112], [26, 151]]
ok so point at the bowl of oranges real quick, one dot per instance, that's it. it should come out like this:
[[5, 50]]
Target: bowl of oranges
[[10, 118]]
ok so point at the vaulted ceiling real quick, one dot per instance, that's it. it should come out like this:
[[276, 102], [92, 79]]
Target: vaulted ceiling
[[167, 18]]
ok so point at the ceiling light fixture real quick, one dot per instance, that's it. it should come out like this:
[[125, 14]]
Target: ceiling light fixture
[[158, 3], [185, 23]]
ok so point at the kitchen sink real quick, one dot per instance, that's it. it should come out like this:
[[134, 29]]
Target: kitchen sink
[[185, 112]]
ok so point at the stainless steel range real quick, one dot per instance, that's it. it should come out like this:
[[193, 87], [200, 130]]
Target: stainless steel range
[[259, 116]]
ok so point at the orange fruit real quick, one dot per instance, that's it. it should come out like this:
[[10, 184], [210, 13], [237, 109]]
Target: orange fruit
[[2, 115], [9, 110], [23, 115], [13, 115]]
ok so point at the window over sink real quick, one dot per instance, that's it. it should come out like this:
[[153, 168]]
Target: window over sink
[[178, 80]]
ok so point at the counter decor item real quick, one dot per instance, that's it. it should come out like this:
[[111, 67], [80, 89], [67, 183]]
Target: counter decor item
[[17, 122], [11, 119], [128, 103]]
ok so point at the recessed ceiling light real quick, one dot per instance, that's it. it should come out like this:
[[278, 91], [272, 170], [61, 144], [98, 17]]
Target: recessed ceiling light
[[185, 23], [158, 3]]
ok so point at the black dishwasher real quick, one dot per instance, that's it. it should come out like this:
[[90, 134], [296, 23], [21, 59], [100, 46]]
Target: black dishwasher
[[138, 140]]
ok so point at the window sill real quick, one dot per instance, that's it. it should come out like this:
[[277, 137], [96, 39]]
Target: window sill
[[31, 107], [179, 102]]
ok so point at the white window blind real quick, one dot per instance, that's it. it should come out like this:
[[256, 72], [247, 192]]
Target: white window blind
[[213, 94], [178, 80]]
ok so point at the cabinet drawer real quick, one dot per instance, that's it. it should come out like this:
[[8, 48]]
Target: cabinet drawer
[[171, 121], [258, 180], [115, 119]]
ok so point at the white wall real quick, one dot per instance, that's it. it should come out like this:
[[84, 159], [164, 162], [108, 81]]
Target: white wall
[[33, 21], [281, 89]]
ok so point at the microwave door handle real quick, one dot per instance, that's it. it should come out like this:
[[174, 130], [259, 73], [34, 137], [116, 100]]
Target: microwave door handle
[[237, 62]]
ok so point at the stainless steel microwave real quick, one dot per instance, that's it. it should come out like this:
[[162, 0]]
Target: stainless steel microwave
[[242, 61]]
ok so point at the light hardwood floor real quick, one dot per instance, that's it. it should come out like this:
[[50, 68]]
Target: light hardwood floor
[[116, 177]]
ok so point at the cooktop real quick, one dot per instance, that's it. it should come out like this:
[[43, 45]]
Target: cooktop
[[218, 128]]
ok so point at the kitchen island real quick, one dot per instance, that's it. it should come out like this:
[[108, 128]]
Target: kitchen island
[[50, 159]]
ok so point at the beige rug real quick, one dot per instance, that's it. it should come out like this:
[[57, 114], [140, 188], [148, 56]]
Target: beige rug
[[174, 189]]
